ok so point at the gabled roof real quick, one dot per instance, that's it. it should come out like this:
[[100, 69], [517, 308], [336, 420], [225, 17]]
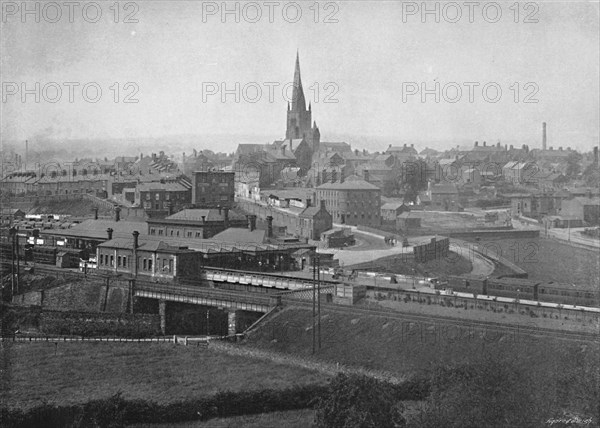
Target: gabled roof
[[240, 235], [143, 244], [210, 214], [392, 205], [158, 186], [356, 183]]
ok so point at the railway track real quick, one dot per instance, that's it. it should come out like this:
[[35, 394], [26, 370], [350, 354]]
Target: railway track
[[192, 290], [457, 322]]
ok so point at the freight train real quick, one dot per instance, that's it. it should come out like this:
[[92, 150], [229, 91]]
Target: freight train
[[526, 289]]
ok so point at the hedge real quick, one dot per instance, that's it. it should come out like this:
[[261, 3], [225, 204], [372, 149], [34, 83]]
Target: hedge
[[118, 412]]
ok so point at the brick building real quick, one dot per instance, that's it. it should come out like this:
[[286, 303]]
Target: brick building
[[148, 258], [195, 223], [162, 196], [314, 221], [213, 188], [353, 201]]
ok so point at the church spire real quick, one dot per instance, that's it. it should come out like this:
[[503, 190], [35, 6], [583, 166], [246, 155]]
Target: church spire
[[298, 100]]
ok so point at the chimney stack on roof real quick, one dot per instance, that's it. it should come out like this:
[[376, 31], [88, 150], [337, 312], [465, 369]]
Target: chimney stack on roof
[[117, 213], [109, 231], [226, 217], [95, 213], [252, 222], [308, 203], [476, 144], [323, 205], [484, 144], [136, 243]]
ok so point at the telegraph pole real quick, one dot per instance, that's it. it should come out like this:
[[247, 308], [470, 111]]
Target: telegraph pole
[[319, 296], [314, 302], [18, 261]]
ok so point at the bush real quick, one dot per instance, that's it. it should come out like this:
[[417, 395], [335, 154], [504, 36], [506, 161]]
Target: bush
[[359, 402]]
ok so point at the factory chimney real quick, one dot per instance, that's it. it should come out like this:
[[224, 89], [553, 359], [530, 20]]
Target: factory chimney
[[543, 135], [269, 226]]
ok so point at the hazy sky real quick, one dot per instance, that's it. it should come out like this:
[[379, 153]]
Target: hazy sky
[[368, 56]]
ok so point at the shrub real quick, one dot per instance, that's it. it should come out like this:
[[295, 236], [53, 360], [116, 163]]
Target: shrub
[[359, 401]]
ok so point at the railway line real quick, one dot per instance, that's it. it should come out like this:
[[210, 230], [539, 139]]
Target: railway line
[[451, 321]]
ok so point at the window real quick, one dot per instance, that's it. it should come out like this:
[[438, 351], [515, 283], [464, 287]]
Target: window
[[149, 264], [118, 261], [124, 261], [168, 196], [145, 264], [160, 232], [112, 261], [147, 196], [152, 231], [189, 234], [157, 196]]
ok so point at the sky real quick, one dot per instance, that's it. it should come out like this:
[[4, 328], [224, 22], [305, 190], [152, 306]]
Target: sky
[[363, 65]]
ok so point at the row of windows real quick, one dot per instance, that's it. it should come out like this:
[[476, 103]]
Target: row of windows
[[146, 264], [106, 260], [189, 234]]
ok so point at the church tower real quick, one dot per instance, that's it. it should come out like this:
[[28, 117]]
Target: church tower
[[299, 119]]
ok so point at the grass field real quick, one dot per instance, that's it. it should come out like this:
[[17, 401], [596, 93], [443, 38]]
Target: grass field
[[546, 259], [396, 346], [291, 419], [163, 373]]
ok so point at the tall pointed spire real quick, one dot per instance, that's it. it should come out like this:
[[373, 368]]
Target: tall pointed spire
[[298, 100]]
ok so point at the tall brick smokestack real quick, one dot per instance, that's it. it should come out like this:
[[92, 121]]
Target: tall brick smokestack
[[269, 226], [544, 136]]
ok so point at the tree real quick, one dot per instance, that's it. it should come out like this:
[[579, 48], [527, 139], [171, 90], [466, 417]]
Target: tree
[[359, 402]]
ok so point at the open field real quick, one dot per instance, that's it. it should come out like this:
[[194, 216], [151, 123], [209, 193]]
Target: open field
[[291, 419], [549, 260], [72, 373]]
